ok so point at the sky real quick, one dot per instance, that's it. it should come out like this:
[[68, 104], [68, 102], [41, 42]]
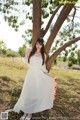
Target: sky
[[11, 38], [14, 39]]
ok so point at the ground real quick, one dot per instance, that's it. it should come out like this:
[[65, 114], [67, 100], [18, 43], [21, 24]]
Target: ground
[[67, 103]]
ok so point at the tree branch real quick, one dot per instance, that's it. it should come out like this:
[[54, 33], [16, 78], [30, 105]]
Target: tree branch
[[43, 32], [63, 15], [59, 50]]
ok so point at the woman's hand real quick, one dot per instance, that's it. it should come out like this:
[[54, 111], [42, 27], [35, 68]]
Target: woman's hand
[[49, 75]]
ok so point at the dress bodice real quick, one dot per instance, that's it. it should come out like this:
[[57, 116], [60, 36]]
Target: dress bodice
[[35, 62]]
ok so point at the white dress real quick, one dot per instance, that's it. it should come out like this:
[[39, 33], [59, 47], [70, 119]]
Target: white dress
[[37, 92]]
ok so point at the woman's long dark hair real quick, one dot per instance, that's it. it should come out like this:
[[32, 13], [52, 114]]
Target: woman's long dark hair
[[40, 41]]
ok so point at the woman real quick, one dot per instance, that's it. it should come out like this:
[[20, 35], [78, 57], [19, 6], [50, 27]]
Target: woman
[[38, 91]]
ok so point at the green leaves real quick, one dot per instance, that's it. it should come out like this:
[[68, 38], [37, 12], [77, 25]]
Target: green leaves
[[12, 21], [21, 50], [11, 53], [2, 45], [45, 15], [78, 55], [45, 3], [28, 2]]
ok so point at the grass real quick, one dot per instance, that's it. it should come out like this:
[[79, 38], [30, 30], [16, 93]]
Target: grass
[[66, 104]]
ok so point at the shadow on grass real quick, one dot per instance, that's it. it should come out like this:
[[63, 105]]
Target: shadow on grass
[[6, 91], [65, 105], [61, 108], [5, 78]]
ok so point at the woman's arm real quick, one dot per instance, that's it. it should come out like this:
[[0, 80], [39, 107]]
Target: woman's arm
[[27, 53], [45, 62], [25, 59]]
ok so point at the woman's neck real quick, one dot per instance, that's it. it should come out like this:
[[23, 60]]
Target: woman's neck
[[38, 51]]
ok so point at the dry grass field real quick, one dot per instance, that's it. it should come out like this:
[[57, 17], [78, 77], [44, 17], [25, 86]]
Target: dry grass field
[[67, 102]]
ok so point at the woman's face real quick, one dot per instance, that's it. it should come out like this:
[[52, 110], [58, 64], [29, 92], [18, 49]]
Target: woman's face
[[38, 45]]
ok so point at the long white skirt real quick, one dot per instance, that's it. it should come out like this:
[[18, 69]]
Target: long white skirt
[[37, 93]]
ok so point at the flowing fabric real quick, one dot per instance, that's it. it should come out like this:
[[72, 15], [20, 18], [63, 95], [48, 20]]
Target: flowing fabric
[[39, 89]]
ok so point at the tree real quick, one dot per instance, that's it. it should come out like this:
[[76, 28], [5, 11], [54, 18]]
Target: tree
[[72, 58], [21, 50], [78, 56], [38, 31], [2, 47], [11, 53]]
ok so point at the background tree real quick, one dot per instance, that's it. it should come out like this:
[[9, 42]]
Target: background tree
[[2, 47], [42, 9], [11, 53], [21, 50], [6, 52], [72, 59], [78, 56]]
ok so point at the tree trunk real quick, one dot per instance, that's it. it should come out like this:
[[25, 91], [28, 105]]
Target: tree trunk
[[36, 20]]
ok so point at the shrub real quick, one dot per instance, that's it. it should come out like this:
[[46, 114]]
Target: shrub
[[70, 64]]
